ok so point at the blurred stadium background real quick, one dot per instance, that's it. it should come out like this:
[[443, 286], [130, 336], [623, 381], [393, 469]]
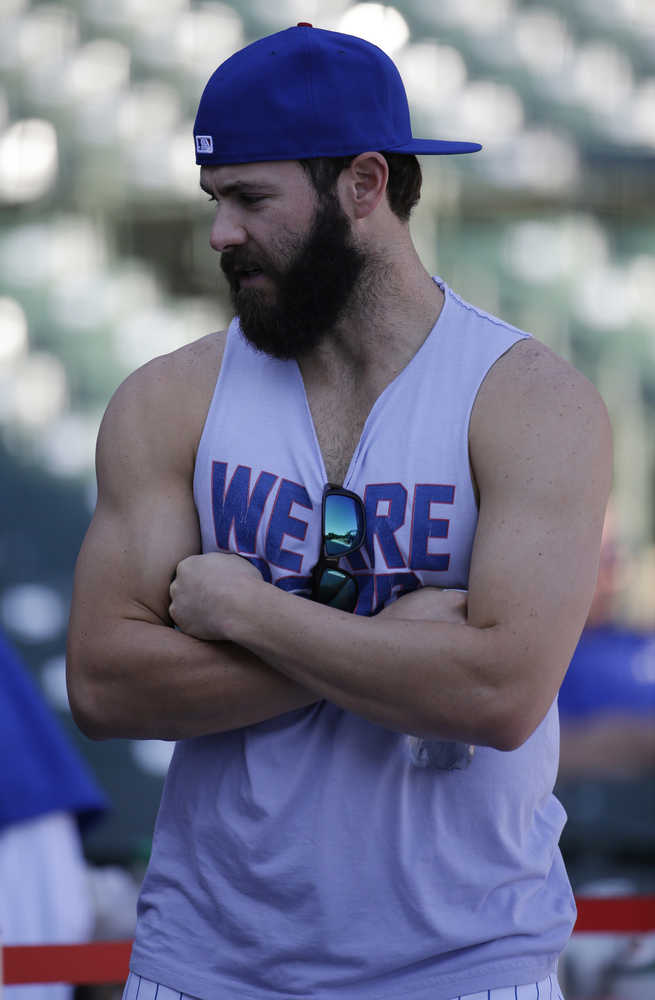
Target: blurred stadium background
[[105, 263]]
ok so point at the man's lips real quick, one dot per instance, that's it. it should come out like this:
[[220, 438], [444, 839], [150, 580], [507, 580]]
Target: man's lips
[[241, 273], [247, 276]]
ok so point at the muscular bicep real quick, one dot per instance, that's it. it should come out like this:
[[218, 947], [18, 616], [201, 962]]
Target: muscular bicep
[[145, 519], [130, 553], [540, 447]]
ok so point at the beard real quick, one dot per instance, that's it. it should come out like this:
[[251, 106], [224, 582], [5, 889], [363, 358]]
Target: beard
[[313, 285]]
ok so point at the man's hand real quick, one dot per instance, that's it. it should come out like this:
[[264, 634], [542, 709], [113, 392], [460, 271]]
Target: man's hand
[[430, 604], [205, 588]]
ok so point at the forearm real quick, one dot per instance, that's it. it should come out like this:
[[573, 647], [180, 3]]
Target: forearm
[[142, 680], [433, 679]]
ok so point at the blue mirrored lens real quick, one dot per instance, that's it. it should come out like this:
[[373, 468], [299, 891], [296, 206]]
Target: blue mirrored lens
[[343, 529], [337, 590]]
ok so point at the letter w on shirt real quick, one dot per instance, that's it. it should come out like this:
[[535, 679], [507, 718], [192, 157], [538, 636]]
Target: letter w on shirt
[[237, 507]]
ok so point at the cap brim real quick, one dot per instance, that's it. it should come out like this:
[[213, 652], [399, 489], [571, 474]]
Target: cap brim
[[426, 147], [435, 147]]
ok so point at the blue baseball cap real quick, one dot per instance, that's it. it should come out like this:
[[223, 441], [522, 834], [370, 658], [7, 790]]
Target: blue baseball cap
[[303, 93]]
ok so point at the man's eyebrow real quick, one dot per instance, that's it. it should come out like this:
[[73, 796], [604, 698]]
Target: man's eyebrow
[[237, 187]]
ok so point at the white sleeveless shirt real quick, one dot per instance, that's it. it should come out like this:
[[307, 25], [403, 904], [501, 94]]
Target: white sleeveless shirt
[[319, 854]]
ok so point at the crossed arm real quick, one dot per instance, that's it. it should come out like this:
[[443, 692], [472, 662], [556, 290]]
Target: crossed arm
[[245, 651]]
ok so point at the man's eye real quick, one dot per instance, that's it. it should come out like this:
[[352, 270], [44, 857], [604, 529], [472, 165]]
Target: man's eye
[[251, 199]]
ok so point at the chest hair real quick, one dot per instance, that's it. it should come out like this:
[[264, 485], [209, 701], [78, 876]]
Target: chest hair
[[339, 423]]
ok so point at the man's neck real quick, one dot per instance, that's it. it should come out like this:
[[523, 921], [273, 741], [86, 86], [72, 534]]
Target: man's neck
[[391, 315]]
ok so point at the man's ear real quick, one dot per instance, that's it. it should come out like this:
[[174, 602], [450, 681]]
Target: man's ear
[[363, 184]]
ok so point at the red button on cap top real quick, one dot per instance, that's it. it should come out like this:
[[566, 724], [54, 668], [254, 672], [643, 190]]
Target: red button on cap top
[[304, 24]]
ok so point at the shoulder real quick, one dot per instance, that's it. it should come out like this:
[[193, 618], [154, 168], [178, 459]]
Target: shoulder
[[531, 383], [533, 404], [180, 376], [159, 411]]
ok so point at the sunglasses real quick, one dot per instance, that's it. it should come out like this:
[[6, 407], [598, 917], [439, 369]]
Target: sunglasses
[[343, 532]]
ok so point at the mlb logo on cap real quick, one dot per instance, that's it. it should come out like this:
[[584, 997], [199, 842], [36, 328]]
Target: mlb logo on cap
[[204, 144]]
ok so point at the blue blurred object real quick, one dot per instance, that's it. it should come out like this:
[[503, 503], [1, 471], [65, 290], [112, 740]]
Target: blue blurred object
[[612, 671], [41, 772]]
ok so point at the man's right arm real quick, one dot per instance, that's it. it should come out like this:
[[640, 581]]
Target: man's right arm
[[130, 673]]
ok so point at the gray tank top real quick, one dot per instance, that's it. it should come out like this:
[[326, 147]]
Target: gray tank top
[[318, 854]]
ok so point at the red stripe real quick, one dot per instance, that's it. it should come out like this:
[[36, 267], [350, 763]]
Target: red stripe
[[108, 961], [622, 915], [97, 962]]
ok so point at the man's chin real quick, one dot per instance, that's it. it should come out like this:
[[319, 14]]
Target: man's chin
[[267, 335], [253, 297]]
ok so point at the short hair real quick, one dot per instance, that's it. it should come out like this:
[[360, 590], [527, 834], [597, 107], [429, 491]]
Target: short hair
[[403, 185]]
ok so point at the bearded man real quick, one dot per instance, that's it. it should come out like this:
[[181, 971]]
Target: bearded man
[[381, 509]]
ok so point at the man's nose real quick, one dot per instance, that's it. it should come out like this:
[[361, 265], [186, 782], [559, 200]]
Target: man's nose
[[226, 231]]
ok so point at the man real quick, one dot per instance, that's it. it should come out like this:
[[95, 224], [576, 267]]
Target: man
[[359, 805]]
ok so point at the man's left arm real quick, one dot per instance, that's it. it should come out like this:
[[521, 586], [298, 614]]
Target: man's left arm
[[540, 447]]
